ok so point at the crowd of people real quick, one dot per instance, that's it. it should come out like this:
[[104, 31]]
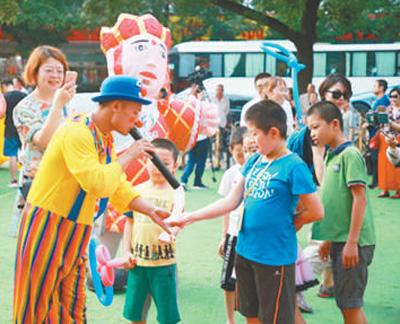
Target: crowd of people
[[371, 138], [287, 172], [350, 128]]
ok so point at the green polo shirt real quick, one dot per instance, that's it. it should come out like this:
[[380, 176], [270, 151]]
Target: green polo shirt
[[343, 167]]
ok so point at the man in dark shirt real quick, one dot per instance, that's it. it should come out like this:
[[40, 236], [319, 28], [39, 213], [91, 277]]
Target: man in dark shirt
[[11, 139]]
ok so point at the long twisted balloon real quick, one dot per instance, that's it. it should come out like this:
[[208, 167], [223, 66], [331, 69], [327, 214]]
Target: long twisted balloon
[[291, 60]]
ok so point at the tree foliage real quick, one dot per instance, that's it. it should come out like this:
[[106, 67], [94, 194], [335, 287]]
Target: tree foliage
[[33, 22], [377, 17]]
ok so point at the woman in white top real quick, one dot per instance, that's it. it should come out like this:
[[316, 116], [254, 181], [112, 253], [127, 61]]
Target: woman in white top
[[275, 89]]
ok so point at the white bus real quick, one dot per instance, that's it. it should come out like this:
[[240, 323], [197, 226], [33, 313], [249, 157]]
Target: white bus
[[238, 62]]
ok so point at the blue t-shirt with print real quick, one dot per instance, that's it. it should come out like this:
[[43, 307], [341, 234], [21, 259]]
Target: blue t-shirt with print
[[267, 235]]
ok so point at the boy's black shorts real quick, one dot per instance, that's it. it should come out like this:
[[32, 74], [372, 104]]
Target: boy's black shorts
[[228, 282], [350, 283], [266, 292]]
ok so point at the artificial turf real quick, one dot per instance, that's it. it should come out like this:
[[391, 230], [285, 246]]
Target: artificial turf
[[199, 266]]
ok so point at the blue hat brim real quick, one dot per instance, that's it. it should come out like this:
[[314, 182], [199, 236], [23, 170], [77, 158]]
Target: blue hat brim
[[118, 96]]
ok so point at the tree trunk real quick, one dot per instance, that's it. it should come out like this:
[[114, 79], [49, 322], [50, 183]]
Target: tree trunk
[[305, 43], [305, 56]]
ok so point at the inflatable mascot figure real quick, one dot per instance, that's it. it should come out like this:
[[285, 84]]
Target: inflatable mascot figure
[[138, 46]]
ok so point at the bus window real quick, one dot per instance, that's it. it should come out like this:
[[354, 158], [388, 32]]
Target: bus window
[[381, 63], [319, 64], [282, 69], [254, 64], [186, 65], [348, 58], [359, 64], [215, 65], [270, 64], [398, 64], [336, 63], [234, 65]]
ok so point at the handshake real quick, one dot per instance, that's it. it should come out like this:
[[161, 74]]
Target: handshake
[[171, 225]]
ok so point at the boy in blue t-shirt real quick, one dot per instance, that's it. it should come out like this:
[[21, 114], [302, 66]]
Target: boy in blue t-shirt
[[279, 197]]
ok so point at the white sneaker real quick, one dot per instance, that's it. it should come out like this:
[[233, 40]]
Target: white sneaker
[[13, 184]]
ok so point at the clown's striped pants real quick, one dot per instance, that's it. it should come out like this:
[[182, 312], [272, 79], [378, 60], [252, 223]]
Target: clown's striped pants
[[50, 269]]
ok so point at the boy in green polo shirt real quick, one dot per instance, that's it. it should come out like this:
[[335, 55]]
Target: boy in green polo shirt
[[348, 228]]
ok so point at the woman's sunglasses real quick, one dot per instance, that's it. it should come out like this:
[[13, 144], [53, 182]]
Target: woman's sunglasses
[[394, 97], [338, 94]]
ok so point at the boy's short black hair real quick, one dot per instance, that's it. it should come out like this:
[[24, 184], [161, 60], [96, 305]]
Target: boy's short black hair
[[267, 114], [237, 136], [167, 145], [383, 84], [262, 75], [328, 111]]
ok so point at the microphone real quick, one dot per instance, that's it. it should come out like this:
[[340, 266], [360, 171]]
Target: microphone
[[157, 162]]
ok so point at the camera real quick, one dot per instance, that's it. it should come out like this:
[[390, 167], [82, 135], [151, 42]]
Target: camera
[[197, 77], [377, 118]]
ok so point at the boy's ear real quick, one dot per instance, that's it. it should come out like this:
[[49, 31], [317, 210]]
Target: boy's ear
[[274, 131], [335, 122]]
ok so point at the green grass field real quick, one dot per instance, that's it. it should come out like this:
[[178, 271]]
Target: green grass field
[[200, 298]]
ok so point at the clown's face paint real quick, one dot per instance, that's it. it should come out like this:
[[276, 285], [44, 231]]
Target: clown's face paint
[[145, 57]]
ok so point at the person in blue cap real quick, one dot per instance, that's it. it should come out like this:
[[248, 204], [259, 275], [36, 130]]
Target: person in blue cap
[[78, 168]]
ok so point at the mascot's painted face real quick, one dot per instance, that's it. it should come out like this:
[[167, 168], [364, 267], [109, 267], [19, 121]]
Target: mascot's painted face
[[151, 54], [138, 46]]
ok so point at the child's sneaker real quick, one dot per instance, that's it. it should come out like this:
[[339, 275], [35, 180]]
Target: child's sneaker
[[302, 304], [13, 184], [325, 292]]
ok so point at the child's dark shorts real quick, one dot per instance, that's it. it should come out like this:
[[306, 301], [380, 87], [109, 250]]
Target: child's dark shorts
[[266, 292], [228, 282], [350, 283]]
